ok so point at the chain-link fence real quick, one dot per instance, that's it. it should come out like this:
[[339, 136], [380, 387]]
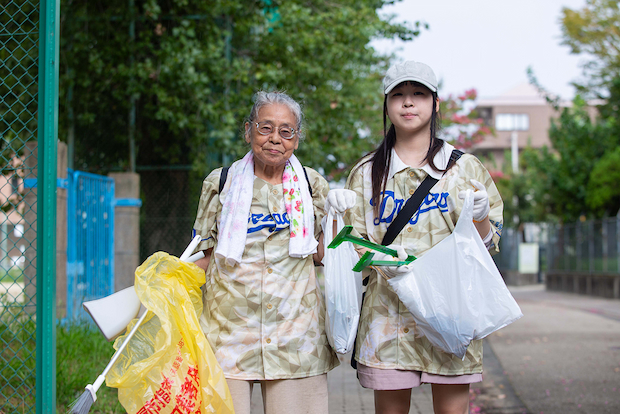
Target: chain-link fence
[[169, 203], [19, 52], [586, 247]]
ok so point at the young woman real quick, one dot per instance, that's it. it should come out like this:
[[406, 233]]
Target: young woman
[[391, 358]]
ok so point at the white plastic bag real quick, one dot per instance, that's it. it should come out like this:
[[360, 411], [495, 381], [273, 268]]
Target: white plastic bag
[[455, 292], [343, 289]]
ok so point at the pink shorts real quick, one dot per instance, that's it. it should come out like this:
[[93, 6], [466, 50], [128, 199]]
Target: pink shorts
[[396, 379]]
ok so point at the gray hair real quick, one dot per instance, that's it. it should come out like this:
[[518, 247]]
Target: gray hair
[[263, 98]]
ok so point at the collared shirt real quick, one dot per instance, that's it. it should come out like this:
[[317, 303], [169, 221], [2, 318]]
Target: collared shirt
[[265, 317], [387, 332]]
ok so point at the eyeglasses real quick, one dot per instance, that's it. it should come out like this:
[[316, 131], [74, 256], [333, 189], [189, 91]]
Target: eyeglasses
[[265, 128]]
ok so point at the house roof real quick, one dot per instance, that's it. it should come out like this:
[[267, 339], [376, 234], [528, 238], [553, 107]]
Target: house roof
[[522, 94]]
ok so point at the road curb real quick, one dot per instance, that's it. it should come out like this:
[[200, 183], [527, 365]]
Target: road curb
[[495, 394]]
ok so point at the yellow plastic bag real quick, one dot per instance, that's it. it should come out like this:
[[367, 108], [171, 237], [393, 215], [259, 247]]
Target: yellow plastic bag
[[168, 366]]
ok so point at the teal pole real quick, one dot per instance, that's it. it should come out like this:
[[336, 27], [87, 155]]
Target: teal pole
[[49, 32], [132, 109]]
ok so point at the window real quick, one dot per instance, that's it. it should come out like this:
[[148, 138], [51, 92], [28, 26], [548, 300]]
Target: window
[[486, 113], [512, 122]]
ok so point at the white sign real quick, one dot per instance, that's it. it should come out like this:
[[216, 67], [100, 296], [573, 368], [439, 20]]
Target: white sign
[[528, 258]]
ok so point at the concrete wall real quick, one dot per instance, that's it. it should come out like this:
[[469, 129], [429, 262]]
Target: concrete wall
[[30, 230], [126, 230], [514, 278], [603, 285]]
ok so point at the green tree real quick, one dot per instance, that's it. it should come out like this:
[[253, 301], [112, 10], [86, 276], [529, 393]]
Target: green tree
[[594, 30], [462, 126], [603, 190], [190, 68], [559, 177]]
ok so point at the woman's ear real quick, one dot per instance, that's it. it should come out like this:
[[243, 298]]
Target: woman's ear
[[437, 105], [246, 135]]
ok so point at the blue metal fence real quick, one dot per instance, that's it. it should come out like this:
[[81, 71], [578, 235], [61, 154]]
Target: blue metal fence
[[90, 241]]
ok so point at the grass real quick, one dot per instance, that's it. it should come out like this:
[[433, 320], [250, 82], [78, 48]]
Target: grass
[[82, 354], [17, 367], [13, 275]]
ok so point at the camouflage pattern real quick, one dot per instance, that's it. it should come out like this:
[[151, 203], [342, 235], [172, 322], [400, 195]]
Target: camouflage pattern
[[265, 317], [387, 332]]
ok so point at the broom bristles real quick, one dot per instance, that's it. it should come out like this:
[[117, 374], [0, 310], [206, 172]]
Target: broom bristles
[[82, 405]]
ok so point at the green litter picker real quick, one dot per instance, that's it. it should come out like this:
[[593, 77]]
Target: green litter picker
[[366, 259]]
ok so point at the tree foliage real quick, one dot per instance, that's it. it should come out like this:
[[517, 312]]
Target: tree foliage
[[577, 176], [603, 189], [594, 30], [559, 178], [461, 124], [191, 68], [18, 79]]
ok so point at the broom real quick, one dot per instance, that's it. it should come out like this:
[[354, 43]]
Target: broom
[[89, 396]]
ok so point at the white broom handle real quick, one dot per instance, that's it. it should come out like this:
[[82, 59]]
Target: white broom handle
[[190, 248], [118, 352], [196, 256]]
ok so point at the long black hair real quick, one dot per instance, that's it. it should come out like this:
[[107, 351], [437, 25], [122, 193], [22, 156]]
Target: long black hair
[[382, 156]]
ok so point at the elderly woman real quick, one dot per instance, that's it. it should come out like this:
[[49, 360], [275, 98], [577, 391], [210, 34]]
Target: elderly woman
[[263, 309]]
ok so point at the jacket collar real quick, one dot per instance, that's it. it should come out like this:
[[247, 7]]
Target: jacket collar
[[441, 161]]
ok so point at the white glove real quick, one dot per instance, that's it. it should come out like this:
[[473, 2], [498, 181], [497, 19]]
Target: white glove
[[390, 271], [339, 200], [481, 201]]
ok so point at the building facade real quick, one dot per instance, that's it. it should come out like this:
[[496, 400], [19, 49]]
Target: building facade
[[521, 117]]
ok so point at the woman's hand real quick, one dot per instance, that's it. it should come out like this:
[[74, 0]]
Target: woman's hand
[[481, 201], [204, 262], [339, 200], [391, 271], [481, 212]]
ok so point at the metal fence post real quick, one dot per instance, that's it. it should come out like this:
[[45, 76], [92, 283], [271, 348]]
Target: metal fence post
[[49, 29], [605, 253], [590, 241], [618, 243], [578, 251], [565, 245]]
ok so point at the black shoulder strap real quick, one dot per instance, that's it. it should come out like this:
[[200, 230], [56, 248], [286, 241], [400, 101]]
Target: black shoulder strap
[[408, 210], [224, 175], [413, 203], [454, 157], [308, 180]]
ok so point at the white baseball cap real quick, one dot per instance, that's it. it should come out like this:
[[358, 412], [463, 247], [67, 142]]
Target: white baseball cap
[[409, 71]]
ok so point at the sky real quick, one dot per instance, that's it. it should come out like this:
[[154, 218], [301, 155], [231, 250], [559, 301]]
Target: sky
[[488, 44]]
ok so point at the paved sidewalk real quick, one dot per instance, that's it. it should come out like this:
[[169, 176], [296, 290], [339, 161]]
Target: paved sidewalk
[[346, 395], [562, 357]]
